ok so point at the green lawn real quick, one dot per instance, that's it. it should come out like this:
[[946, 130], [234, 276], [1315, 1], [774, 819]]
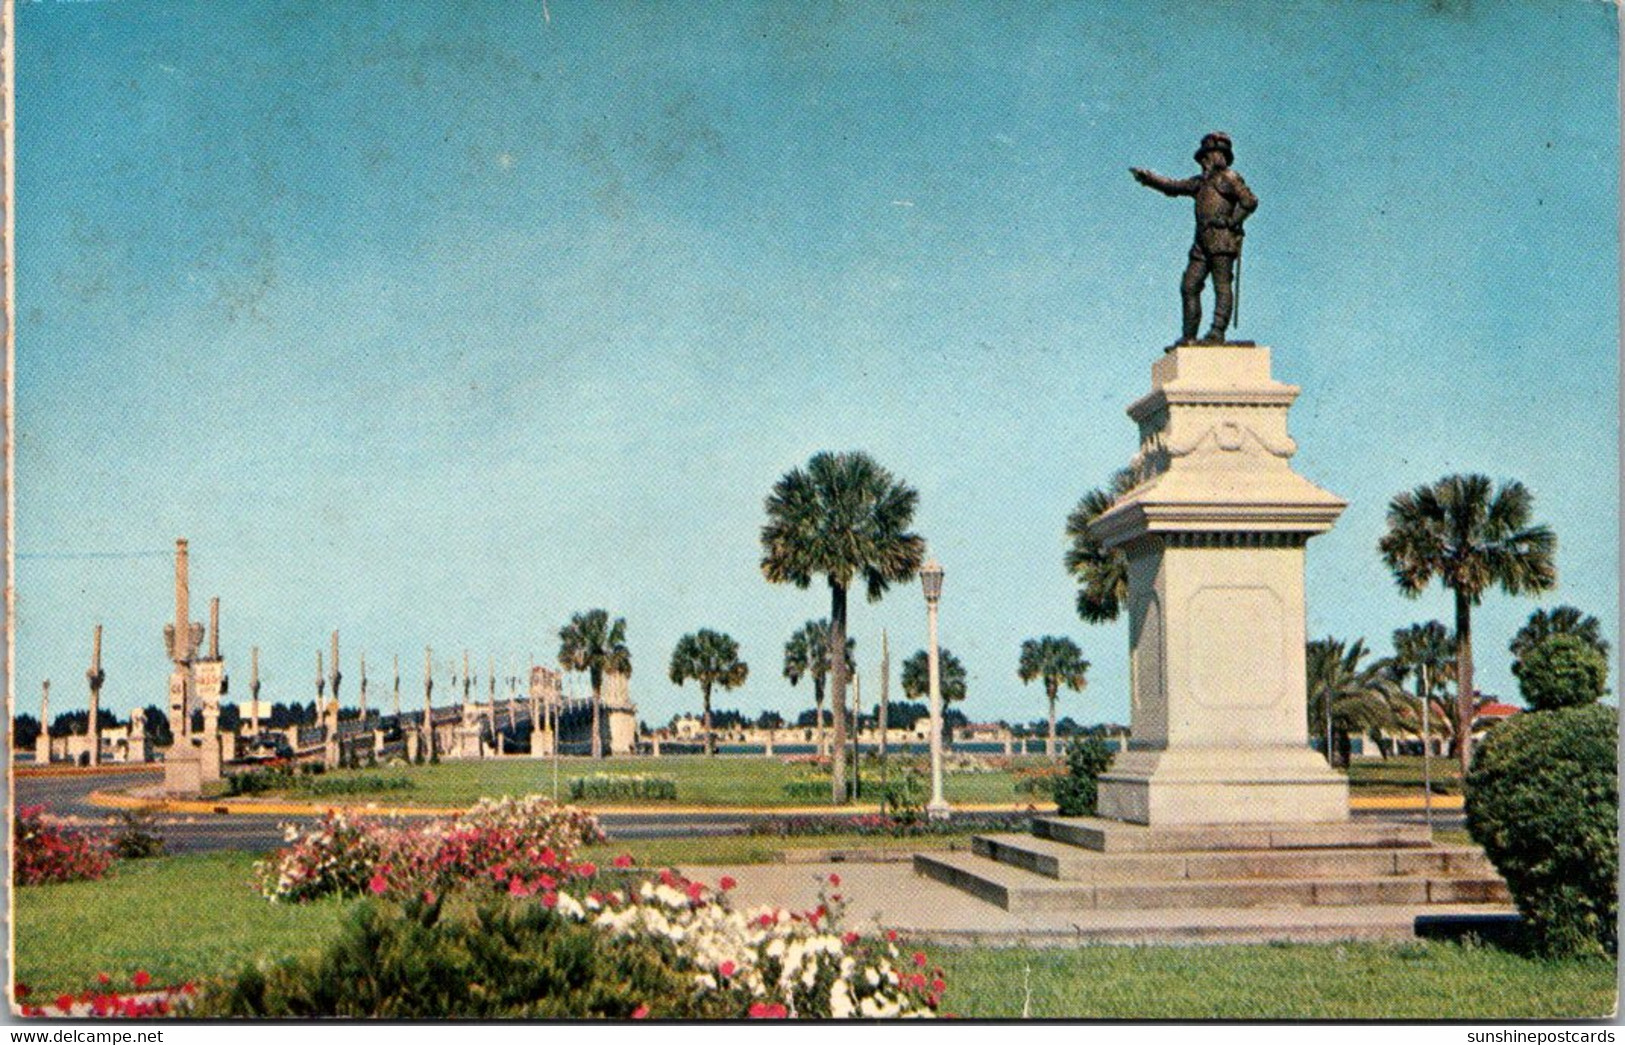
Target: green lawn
[[720, 782], [189, 917], [1418, 980], [177, 917], [1402, 776]]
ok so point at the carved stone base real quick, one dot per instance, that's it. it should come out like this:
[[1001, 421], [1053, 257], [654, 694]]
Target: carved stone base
[[1220, 786]]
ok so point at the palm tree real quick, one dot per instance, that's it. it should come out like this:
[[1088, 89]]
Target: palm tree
[[1425, 651], [711, 659], [807, 654], [950, 677], [594, 644], [1563, 620], [1471, 537], [844, 518], [1102, 575], [1059, 662], [1344, 696]]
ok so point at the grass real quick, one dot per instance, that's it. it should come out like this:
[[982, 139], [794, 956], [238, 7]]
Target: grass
[[178, 917], [1402, 775], [190, 917], [721, 782], [1416, 980], [724, 850]]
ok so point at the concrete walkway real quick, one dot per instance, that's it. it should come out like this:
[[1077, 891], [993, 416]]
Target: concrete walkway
[[881, 896]]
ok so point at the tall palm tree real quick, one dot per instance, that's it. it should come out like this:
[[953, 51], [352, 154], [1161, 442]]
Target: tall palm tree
[[711, 659], [1425, 652], [807, 655], [1102, 575], [1344, 695], [1561, 620], [591, 642], [1472, 537], [846, 519], [1059, 662], [950, 677]]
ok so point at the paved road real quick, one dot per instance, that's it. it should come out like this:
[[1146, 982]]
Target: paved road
[[194, 833]]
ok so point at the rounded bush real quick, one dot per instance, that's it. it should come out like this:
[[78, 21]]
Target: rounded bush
[[1542, 799], [1075, 793], [1562, 671]]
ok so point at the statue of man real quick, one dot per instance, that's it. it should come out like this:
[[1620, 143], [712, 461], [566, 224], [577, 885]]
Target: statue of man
[[1223, 203]]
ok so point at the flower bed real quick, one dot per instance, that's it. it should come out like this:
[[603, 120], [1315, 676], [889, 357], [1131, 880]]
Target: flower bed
[[46, 852], [502, 842], [623, 787]]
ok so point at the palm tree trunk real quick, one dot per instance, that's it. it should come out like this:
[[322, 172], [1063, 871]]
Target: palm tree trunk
[[1464, 681], [837, 671], [818, 715], [710, 741], [1049, 747], [597, 695]]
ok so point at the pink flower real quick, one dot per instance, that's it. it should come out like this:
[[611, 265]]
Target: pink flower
[[726, 883], [378, 885], [726, 969], [624, 860], [550, 900], [586, 870], [938, 985], [834, 879], [919, 958], [517, 887], [762, 1010], [641, 1012], [765, 920], [849, 939], [695, 890]]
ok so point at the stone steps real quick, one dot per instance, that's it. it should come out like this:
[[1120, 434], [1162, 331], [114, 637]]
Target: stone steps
[[1065, 862], [1017, 889], [1112, 836]]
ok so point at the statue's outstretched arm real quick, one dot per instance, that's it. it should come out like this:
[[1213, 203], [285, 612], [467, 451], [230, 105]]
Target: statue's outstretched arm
[[1166, 186]]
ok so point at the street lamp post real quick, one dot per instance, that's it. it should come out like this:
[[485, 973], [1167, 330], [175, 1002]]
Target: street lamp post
[[931, 582]]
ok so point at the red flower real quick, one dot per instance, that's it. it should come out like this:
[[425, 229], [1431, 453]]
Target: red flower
[[586, 870], [766, 920], [891, 935], [725, 883], [695, 891], [623, 860], [849, 939], [378, 885], [836, 897], [20, 990], [641, 1012], [550, 900], [103, 979], [726, 969], [762, 1010], [516, 887], [834, 879], [938, 986], [919, 958], [141, 978]]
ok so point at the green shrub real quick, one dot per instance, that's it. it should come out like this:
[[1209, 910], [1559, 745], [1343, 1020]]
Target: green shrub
[[502, 959], [1542, 799], [1086, 759], [137, 836], [904, 797], [352, 785], [623, 786], [1562, 671]]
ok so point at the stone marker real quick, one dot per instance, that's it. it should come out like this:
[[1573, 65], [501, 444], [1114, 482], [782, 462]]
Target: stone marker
[[1215, 534], [95, 676], [42, 743]]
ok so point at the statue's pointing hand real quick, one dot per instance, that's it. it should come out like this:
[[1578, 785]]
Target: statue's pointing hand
[[1141, 175]]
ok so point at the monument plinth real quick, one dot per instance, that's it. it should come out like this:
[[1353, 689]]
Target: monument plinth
[[1214, 533]]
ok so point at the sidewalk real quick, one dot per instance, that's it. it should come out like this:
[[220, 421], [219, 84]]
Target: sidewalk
[[891, 896]]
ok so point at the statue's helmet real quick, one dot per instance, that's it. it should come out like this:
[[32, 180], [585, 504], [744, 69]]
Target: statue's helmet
[[1217, 140]]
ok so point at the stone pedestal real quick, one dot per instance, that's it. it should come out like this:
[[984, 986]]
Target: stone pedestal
[[183, 768], [1215, 533]]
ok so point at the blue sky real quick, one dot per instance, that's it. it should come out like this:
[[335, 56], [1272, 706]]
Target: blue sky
[[436, 323]]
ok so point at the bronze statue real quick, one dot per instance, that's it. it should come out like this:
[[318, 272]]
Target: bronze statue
[[1223, 203]]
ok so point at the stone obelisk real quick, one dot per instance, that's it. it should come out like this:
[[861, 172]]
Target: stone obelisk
[[42, 743], [254, 690], [1214, 533], [95, 676]]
